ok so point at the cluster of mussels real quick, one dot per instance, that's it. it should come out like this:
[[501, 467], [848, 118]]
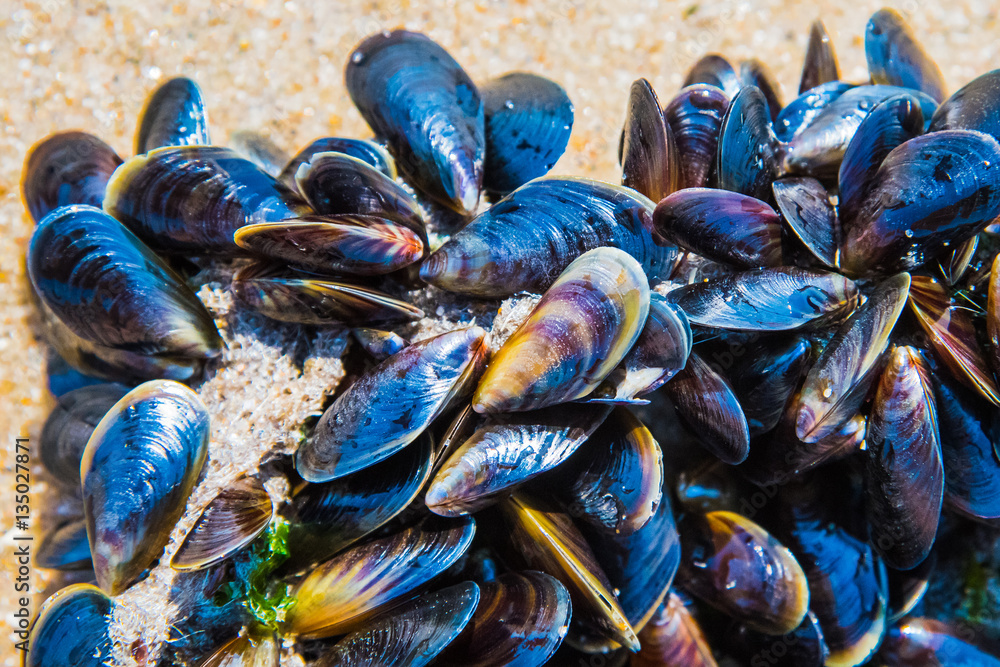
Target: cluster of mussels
[[842, 241]]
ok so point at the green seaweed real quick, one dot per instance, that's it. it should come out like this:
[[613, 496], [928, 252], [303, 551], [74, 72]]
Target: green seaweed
[[265, 600]]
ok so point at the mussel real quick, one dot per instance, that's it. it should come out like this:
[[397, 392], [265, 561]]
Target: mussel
[[72, 629], [174, 115]]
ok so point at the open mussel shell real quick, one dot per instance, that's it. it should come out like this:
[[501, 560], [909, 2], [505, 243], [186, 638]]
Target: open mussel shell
[[578, 332], [706, 402], [524, 241], [260, 150], [138, 470], [770, 299], [896, 58], [925, 642], [659, 353], [415, 96], [72, 629], [289, 297], [615, 481], [65, 548], [800, 112], [367, 151], [803, 647], [379, 344], [951, 331], [714, 70], [354, 244], [734, 565], [506, 451], [341, 594], [650, 161], [174, 115], [974, 106], [766, 377], [254, 649], [328, 516], [528, 123], [805, 205], [836, 384], [930, 192], [109, 288], [955, 265], [339, 184], [233, 519], [521, 619], [753, 72], [820, 64], [694, 117], [673, 638], [890, 123], [190, 199], [65, 169], [723, 226], [413, 634], [747, 159], [390, 405], [968, 426], [904, 475], [819, 147], [547, 540], [69, 426]]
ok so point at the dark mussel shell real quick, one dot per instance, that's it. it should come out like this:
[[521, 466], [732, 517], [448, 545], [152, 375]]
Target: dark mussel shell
[[109, 288], [951, 331], [925, 642], [69, 426], [896, 58], [714, 70], [818, 148], [174, 115], [524, 241], [723, 226], [138, 470], [343, 593], [955, 265], [908, 587], [290, 297], [820, 64], [766, 377], [673, 638], [65, 169], [806, 208], [380, 344], [61, 378], [800, 112], [753, 72], [890, 123], [614, 482], [660, 352], [548, 541], [389, 406], [233, 519], [993, 312], [694, 117], [355, 244], [734, 565], [771, 299], [649, 157], [362, 149], [328, 516], [415, 96], [260, 150], [968, 426], [72, 629], [413, 634], [506, 451], [521, 619], [256, 648], [847, 581], [576, 335], [837, 383], [707, 404], [339, 184], [933, 191], [748, 158], [974, 106], [528, 123], [65, 548], [803, 647], [904, 475], [190, 199]]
